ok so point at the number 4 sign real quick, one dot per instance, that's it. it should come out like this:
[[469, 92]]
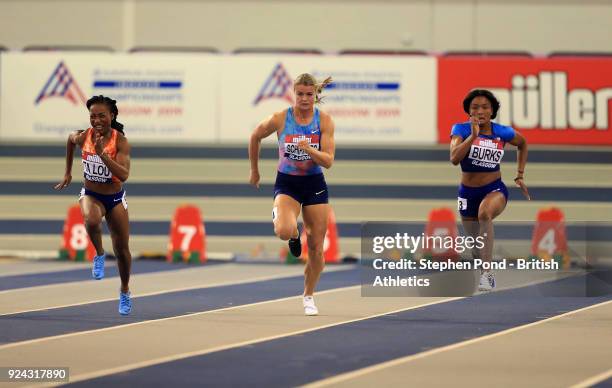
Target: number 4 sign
[[549, 241], [187, 236]]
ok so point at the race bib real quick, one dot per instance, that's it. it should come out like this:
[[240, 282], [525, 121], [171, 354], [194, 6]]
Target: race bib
[[461, 203], [291, 146], [486, 152], [95, 170]]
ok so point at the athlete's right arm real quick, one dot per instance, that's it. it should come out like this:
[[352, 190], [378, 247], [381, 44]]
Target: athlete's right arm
[[263, 130], [75, 138], [460, 147]]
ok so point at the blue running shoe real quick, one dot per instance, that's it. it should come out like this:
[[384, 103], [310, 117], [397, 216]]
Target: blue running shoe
[[125, 303], [98, 266]]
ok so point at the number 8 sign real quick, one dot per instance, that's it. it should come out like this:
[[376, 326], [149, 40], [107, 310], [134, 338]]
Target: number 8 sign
[[76, 244]]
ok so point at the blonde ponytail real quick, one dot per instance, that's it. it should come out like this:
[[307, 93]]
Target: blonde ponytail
[[320, 87]]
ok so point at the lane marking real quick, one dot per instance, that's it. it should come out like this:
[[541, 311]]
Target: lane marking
[[44, 339], [399, 361], [594, 380], [138, 295], [160, 360]]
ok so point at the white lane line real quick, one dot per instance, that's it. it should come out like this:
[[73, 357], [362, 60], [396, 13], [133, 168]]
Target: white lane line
[[60, 336], [594, 380], [195, 287], [399, 361], [175, 357], [139, 276], [44, 339], [37, 259]]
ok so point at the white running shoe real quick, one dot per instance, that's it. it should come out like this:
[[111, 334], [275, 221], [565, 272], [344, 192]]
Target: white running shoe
[[487, 281], [309, 306]]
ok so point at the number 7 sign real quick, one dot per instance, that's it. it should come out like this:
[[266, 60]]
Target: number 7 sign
[[187, 236]]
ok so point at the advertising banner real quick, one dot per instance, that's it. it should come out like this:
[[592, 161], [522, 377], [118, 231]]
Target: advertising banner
[[161, 98], [549, 100], [372, 100]]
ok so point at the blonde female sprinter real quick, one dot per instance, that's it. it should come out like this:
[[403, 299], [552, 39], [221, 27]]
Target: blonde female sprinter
[[305, 144]]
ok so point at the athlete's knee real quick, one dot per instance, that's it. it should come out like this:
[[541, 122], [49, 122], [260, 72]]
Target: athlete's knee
[[284, 231], [316, 252], [485, 215], [315, 246], [316, 262], [122, 251], [92, 222]]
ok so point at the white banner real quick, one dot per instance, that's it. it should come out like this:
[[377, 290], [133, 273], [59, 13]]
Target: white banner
[[162, 98], [374, 100]]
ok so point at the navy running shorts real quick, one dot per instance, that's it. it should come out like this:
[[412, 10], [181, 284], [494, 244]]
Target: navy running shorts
[[306, 189], [108, 200], [469, 198]]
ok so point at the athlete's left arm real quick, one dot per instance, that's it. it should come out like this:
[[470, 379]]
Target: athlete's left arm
[[120, 167], [521, 143], [325, 156]]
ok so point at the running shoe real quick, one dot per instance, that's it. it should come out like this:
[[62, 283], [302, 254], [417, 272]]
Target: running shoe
[[98, 266], [487, 281], [125, 303], [309, 306], [295, 246]]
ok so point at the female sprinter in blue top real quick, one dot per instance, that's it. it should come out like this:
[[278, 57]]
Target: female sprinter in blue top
[[478, 145], [305, 144], [106, 166]]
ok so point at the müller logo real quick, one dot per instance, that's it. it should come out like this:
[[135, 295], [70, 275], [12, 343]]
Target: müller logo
[[488, 143], [544, 101], [278, 85], [61, 83]]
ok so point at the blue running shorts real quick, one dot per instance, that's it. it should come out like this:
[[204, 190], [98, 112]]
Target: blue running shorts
[[306, 189], [469, 198]]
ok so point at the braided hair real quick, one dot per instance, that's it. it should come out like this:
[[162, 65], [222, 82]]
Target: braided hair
[[112, 107]]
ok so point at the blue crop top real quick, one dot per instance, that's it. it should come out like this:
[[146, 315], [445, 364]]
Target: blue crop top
[[487, 151]]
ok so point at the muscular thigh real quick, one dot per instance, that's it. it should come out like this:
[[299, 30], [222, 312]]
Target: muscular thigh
[[119, 225], [286, 209], [315, 219], [91, 208], [493, 203]]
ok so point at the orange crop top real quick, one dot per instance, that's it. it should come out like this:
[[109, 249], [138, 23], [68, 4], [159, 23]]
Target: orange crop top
[[94, 169]]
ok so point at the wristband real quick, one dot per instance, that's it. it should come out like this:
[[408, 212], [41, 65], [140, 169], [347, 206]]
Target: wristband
[[518, 177]]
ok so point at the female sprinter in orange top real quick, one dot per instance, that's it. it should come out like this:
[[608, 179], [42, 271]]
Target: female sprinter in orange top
[[305, 144], [106, 165]]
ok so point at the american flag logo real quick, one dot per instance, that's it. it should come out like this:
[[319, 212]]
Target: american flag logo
[[61, 83], [278, 85]]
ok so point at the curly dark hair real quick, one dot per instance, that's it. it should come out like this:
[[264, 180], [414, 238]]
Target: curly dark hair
[[481, 93], [112, 107]]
